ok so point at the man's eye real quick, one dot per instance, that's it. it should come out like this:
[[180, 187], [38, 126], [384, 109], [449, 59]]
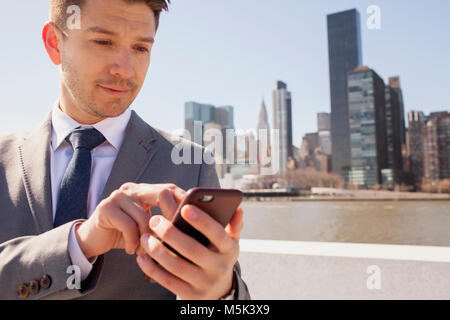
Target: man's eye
[[103, 42], [142, 49]]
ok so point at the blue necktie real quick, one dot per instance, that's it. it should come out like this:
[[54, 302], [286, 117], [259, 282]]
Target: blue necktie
[[72, 199]]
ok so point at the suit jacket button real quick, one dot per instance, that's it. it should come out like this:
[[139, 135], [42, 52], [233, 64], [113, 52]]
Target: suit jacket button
[[23, 291], [45, 281], [34, 287]]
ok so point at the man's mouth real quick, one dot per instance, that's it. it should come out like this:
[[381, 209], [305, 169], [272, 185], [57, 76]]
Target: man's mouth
[[115, 91]]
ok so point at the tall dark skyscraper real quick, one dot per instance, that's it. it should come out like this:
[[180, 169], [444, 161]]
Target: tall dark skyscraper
[[416, 124], [394, 83], [344, 52], [395, 130]]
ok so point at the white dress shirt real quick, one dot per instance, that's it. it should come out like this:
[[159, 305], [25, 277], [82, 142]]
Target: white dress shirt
[[103, 157]]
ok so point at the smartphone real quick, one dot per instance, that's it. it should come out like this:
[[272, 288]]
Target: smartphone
[[220, 204]]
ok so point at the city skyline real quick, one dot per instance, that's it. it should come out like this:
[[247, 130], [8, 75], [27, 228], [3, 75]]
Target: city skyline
[[228, 66]]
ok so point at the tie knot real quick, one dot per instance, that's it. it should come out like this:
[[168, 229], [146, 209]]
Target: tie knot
[[85, 139]]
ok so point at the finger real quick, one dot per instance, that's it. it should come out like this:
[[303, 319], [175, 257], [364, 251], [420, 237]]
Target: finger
[[209, 227], [140, 250], [185, 245], [167, 204], [163, 277], [136, 212], [177, 193], [119, 220], [150, 194], [170, 261], [236, 224]]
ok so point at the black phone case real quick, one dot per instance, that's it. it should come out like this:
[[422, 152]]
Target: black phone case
[[222, 208]]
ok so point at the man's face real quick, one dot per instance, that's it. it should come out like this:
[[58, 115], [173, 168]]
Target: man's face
[[103, 64]]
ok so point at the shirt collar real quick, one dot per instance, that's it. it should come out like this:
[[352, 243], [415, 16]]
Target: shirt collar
[[113, 129]]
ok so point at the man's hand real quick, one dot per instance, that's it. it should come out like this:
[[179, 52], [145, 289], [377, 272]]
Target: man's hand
[[120, 220], [209, 272]]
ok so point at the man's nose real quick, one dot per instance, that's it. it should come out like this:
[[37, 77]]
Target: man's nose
[[123, 66]]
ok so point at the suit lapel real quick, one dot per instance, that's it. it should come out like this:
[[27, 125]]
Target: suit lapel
[[136, 152], [35, 161]]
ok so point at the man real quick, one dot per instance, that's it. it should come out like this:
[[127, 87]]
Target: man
[[77, 193]]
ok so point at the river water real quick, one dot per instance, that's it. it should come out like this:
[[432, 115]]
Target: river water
[[384, 222]]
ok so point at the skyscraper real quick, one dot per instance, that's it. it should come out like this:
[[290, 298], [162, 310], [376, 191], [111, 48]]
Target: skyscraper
[[416, 123], [436, 147], [282, 120], [366, 98], [263, 122], [394, 83], [323, 121], [194, 111], [394, 131], [313, 141], [225, 116], [323, 128], [206, 113], [344, 51]]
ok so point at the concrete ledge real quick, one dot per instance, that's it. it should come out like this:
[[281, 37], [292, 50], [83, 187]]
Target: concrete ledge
[[320, 270]]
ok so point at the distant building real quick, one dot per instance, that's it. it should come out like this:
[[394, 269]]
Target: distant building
[[194, 111], [219, 156], [200, 118], [367, 120], [322, 161], [323, 121], [282, 121], [225, 116], [345, 54], [394, 83], [394, 131], [416, 123], [313, 141], [263, 123], [310, 155], [436, 147], [263, 154], [325, 142], [324, 132]]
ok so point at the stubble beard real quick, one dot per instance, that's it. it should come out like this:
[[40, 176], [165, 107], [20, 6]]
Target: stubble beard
[[83, 98]]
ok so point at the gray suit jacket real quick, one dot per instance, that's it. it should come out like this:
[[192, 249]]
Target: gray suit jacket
[[31, 248]]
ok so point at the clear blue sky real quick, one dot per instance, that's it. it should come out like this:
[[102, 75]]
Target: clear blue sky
[[232, 52]]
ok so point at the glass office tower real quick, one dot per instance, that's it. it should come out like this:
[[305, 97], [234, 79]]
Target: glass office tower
[[344, 51], [394, 133], [367, 122], [416, 123], [194, 111]]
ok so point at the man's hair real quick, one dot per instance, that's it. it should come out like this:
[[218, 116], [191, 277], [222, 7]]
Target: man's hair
[[58, 9]]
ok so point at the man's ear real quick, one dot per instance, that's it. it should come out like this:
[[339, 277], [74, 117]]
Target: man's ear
[[52, 37]]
